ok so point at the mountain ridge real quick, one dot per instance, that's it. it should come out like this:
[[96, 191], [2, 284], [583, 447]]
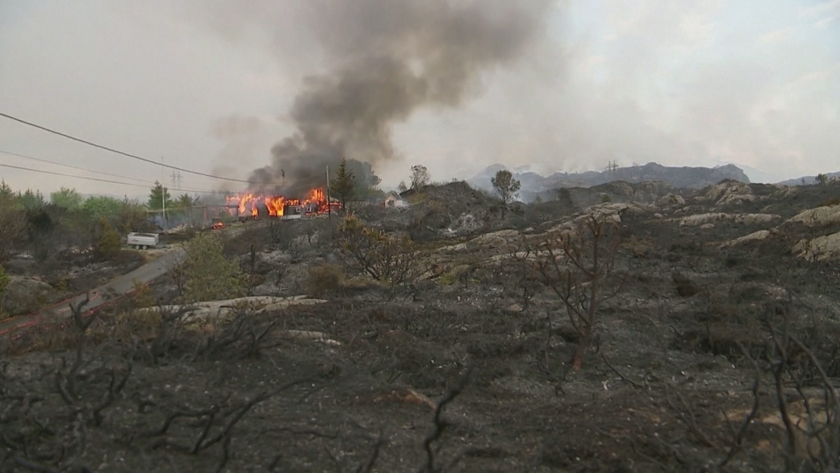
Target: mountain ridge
[[679, 177]]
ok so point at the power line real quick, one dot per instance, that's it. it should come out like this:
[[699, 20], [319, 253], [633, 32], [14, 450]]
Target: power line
[[133, 156], [102, 180], [73, 167], [178, 187], [174, 188]]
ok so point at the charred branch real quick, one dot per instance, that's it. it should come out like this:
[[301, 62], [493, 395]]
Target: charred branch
[[440, 425]]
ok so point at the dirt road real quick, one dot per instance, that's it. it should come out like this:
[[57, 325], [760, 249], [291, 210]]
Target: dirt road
[[101, 295]]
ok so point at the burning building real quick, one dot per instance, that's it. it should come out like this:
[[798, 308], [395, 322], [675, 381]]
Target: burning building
[[251, 205]]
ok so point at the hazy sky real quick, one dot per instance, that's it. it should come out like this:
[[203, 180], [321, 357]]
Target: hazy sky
[[208, 85]]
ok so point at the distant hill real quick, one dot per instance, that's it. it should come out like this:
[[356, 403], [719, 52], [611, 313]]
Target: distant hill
[[807, 180], [678, 177]]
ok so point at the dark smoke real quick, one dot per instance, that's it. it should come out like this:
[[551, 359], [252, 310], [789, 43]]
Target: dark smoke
[[391, 57]]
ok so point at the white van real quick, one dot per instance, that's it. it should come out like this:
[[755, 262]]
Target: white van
[[142, 240]]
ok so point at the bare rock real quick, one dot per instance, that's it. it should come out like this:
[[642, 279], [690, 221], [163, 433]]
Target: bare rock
[[701, 219], [819, 249], [747, 219], [756, 292], [495, 240], [728, 192], [755, 236], [818, 216], [211, 309], [23, 295], [670, 200]]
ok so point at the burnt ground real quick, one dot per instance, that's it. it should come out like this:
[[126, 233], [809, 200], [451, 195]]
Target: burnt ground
[[666, 386], [62, 277]]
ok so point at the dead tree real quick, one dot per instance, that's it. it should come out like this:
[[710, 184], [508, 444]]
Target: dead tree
[[813, 438], [577, 267]]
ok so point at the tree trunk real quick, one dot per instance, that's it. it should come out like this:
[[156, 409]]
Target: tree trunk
[[580, 349]]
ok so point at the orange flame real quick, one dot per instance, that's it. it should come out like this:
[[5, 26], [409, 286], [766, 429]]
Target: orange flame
[[316, 202]]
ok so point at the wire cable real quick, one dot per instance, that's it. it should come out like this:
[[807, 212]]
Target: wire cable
[[110, 181], [74, 167], [147, 181], [112, 150]]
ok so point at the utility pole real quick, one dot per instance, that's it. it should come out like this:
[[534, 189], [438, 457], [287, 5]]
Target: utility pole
[[329, 201], [176, 179], [163, 192]]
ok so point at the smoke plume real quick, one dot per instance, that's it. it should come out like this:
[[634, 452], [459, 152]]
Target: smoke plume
[[386, 59]]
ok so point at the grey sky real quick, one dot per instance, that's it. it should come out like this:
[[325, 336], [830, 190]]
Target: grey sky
[[208, 86]]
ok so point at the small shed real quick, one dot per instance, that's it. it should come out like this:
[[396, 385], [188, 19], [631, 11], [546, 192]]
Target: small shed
[[394, 200]]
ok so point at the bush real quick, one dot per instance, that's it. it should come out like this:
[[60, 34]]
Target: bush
[[108, 245], [323, 279], [208, 275], [830, 202], [12, 223], [4, 279], [142, 295], [386, 258]]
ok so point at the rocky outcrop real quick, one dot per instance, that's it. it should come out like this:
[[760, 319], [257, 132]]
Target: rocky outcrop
[[711, 218], [818, 216], [727, 193], [24, 295], [203, 310], [670, 200], [755, 236], [819, 249]]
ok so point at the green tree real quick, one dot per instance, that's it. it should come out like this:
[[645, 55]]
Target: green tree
[[343, 184], [32, 200], [822, 179], [108, 245], [184, 204], [402, 187], [102, 206], [208, 274], [131, 216], [506, 186], [367, 182], [67, 198], [420, 177], [12, 221], [158, 196], [6, 192], [564, 196]]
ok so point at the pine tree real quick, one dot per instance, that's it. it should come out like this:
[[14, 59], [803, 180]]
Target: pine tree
[[158, 196], [506, 186], [343, 185]]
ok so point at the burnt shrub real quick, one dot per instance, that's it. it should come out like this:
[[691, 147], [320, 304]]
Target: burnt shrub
[[389, 259], [323, 279], [684, 285]]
